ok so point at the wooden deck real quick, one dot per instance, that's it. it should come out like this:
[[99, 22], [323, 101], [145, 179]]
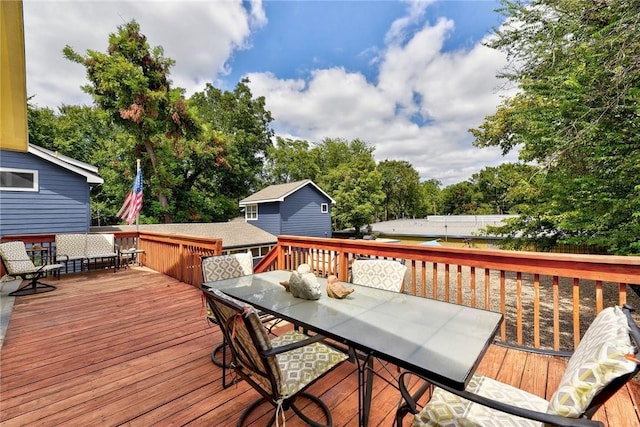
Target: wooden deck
[[132, 348]]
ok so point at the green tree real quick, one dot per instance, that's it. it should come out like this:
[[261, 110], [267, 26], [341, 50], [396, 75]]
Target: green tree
[[462, 198], [290, 160], [577, 114], [130, 82], [430, 201], [400, 184], [245, 123], [348, 174]]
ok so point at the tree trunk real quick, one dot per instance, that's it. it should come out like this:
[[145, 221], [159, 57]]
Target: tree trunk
[[164, 203]]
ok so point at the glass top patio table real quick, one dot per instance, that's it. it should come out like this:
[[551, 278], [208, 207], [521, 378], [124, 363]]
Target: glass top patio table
[[439, 340]]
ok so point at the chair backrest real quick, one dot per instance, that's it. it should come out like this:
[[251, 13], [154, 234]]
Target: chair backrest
[[15, 258], [379, 273], [73, 245], [220, 267], [100, 244], [600, 365], [248, 339]]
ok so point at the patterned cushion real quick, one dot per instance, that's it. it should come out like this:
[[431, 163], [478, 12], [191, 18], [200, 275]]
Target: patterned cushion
[[447, 409], [379, 273], [15, 258], [301, 366], [100, 245], [222, 267], [598, 360], [70, 246], [17, 261]]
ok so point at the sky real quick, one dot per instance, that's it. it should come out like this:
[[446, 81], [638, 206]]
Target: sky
[[409, 78]]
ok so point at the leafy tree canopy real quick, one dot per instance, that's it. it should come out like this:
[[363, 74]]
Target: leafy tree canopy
[[577, 114]]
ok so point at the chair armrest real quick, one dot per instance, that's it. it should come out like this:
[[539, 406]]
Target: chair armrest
[[293, 346], [499, 406]]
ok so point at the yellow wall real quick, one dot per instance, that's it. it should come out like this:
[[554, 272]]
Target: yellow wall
[[13, 80]]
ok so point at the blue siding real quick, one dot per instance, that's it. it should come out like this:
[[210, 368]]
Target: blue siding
[[301, 214], [61, 204], [268, 218]]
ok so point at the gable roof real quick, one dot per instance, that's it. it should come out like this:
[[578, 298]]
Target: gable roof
[[234, 234], [84, 169], [277, 193]]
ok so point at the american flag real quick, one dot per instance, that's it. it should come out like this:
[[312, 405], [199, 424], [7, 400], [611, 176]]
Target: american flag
[[133, 202]]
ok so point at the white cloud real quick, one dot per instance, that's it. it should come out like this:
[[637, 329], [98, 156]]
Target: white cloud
[[199, 35], [450, 91]]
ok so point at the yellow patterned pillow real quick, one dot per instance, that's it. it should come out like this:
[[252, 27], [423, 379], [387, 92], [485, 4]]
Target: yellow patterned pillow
[[598, 360]]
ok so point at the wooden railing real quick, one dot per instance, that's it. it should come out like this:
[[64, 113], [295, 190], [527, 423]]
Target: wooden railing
[[178, 256], [547, 299]]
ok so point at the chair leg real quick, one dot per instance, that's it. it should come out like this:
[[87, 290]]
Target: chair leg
[[31, 288], [323, 407], [224, 362]]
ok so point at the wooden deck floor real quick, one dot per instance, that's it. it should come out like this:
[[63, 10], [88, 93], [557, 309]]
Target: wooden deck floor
[[132, 348]]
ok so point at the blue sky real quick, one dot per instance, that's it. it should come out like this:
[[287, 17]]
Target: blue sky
[[407, 77]]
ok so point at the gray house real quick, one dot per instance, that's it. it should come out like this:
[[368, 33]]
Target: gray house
[[44, 192], [298, 208]]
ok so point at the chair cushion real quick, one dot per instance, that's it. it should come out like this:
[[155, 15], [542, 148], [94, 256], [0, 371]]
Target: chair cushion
[[16, 259], [447, 409], [220, 267], [100, 246], [379, 273], [71, 245], [301, 366], [598, 360]]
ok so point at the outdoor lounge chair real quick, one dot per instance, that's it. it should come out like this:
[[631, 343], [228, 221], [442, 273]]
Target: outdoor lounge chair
[[603, 362], [280, 368], [379, 273], [16, 262]]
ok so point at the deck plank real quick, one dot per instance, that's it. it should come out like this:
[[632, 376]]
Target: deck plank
[[132, 348]]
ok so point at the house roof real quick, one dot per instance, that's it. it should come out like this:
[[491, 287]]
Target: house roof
[[278, 192], [88, 171], [235, 233]]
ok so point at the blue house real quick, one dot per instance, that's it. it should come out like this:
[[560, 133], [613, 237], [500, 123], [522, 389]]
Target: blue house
[[43, 192], [298, 208]]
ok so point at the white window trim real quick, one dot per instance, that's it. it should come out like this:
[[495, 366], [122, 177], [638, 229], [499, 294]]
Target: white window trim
[[324, 208], [31, 171], [247, 210]]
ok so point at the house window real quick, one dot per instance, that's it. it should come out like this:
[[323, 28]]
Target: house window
[[251, 212], [324, 208], [18, 179]]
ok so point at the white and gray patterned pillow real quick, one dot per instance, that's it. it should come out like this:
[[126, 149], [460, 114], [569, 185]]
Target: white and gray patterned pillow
[[450, 410], [220, 267], [598, 360], [379, 273]]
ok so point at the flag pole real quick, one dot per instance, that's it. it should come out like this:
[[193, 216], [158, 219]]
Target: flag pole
[[138, 215]]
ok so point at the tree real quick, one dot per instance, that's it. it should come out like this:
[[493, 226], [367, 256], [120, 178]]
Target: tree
[[430, 202], [577, 114], [130, 82], [290, 160], [244, 124], [400, 184], [348, 174]]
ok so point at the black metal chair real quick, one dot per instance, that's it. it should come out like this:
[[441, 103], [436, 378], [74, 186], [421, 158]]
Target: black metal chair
[[279, 368], [16, 262], [220, 267], [603, 362]]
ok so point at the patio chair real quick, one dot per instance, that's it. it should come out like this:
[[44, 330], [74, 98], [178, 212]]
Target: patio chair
[[101, 247], [280, 368], [16, 262], [379, 273], [603, 362], [220, 267]]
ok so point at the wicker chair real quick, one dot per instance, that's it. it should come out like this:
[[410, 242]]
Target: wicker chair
[[602, 363], [279, 368], [16, 262]]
